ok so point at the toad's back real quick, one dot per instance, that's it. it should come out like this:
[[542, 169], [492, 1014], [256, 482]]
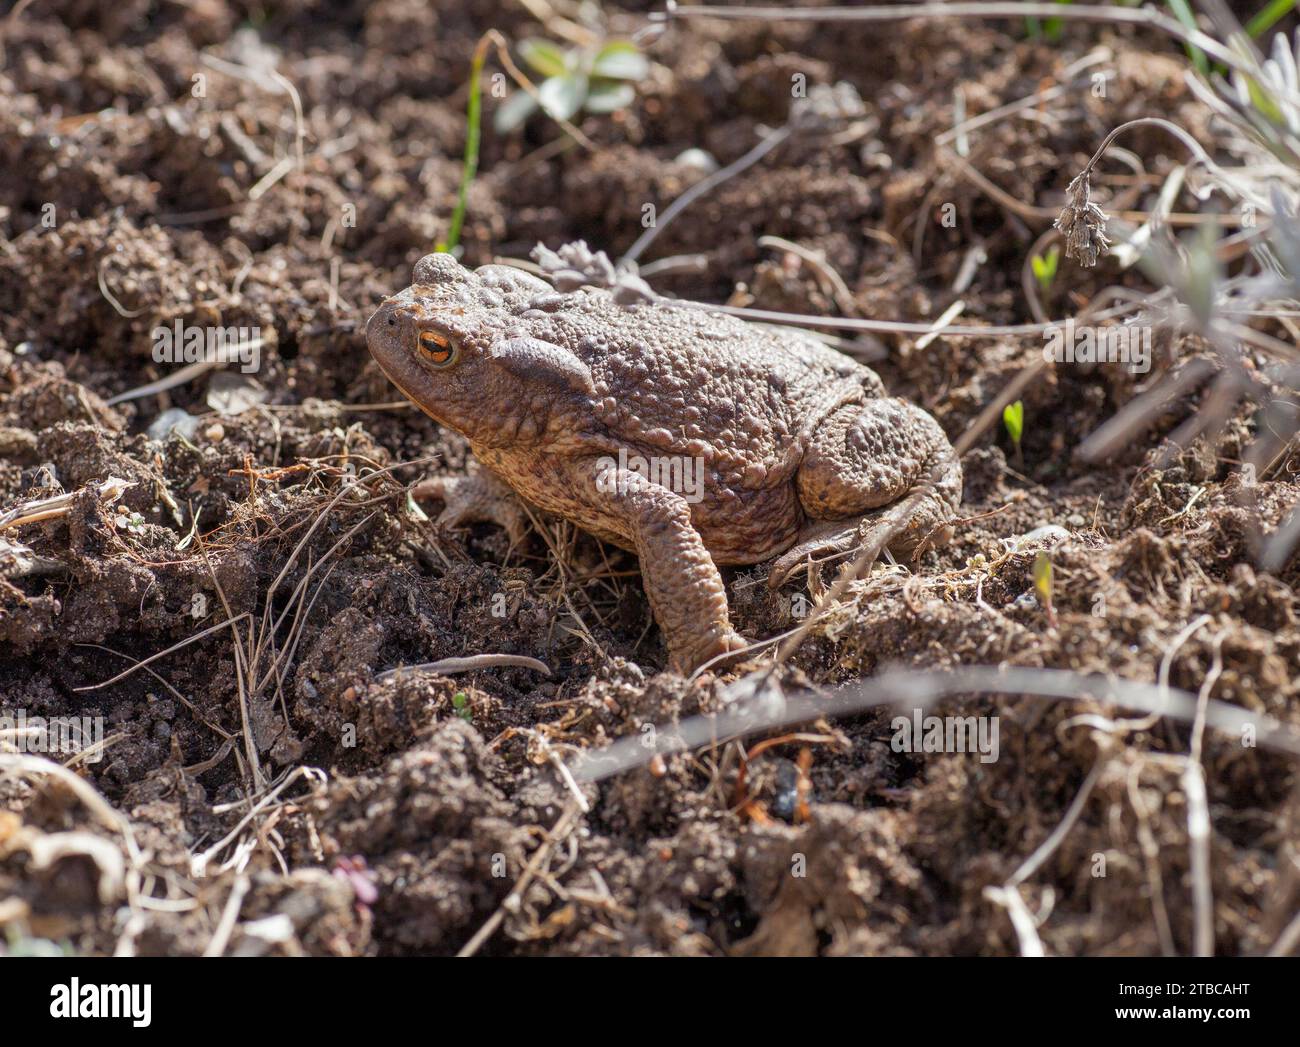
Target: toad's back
[[686, 381]]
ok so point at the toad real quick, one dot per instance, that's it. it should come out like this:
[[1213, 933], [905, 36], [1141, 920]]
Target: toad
[[689, 437]]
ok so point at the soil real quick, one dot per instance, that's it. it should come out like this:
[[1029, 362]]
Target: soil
[[149, 174]]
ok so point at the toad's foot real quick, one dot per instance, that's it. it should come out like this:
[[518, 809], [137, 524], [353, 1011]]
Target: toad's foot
[[819, 539], [717, 642], [920, 521], [477, 498]]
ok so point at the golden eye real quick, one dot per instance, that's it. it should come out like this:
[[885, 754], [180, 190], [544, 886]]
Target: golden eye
[[437, 349]]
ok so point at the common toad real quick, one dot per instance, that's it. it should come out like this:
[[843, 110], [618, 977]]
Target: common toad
[[687, 436]]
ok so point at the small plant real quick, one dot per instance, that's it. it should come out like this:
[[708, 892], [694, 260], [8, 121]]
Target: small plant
[[595, 79], [1183, 12], [1264, 20], [21, 945], [1043, 585], [1045, 266], [460, 704], [1049, 29], [474, 119], [1013, 418], [1268, 16], [131, 522]]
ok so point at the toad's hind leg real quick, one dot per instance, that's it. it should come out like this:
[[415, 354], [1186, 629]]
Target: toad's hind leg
[[883, 467]]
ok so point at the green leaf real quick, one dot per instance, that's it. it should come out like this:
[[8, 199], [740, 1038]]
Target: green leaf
[[562, 96], [1045, 266], [1269, 15], [1264, 103], [544, 57], [413, 509], [1202, 275], [606, 98], [513, 112], [473, 136], [1053, 27], [1043, 578], [1183, 12], [620, 60], [1013, 417]]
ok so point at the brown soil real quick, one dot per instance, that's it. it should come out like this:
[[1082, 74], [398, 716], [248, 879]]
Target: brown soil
[[126, 202]]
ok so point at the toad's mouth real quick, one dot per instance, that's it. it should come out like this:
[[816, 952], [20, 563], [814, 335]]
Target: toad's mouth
[[443, 420], [416, 400], [380, 329]]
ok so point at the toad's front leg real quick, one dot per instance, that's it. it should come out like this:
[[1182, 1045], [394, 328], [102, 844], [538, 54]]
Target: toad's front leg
[[477, 498], [681, 581]]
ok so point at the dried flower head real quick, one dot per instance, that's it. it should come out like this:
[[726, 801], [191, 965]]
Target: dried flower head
[[828, 108], [1082, 223], [575, 265]]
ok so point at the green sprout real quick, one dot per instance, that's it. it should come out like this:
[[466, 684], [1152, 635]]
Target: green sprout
[[594, 80], [1013, 417], [20, 945], [1264, 20], [1045, 266], [474, 119], [1183, 12], [1051, 28], [582, 79], [1043, 585], [1268, 16], [1264, 103], [460, 703]]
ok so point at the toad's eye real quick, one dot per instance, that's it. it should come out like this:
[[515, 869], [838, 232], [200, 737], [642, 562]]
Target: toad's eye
[[437, 349]]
